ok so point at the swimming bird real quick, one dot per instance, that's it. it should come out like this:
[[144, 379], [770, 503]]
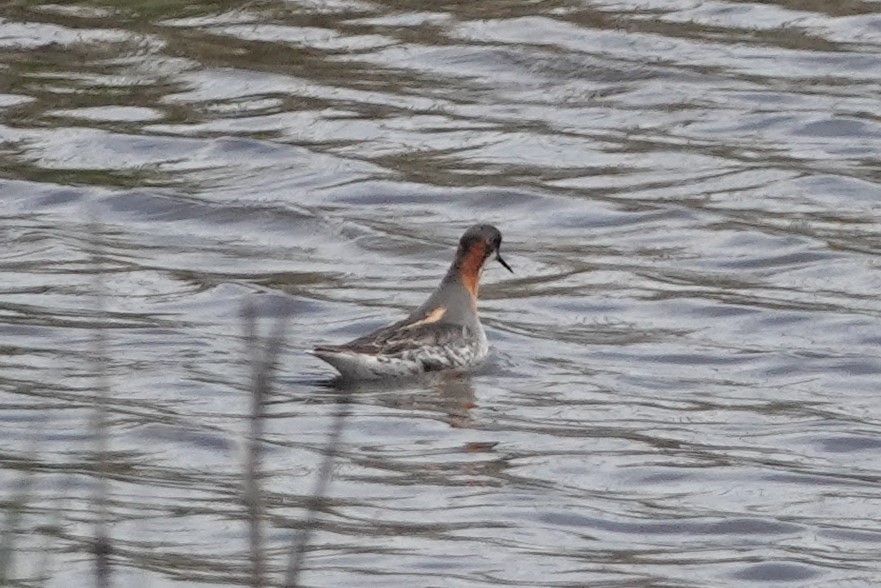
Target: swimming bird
[[444, 333]]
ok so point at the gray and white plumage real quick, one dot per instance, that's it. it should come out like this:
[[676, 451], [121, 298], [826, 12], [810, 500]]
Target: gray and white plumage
[[444, 333]]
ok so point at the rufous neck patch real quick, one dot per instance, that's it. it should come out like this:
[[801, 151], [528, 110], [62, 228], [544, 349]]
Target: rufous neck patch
[[469, 270]]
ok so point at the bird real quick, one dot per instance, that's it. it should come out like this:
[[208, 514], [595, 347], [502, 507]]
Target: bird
[[443, 333]]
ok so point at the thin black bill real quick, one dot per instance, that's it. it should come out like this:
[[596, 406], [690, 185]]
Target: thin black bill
[[502, 261]]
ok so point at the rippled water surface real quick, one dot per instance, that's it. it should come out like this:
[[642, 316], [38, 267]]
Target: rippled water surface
[[684, 387]]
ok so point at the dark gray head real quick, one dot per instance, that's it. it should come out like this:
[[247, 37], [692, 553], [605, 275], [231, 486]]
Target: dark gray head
[[478, 244]]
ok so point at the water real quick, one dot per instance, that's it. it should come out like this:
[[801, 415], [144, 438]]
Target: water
[[684, 387]]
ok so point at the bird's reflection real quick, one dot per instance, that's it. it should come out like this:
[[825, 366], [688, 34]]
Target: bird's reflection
[[451, 394], [454, 396]]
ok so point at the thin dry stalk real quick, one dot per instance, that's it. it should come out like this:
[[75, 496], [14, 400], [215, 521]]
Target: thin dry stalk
[[12, 527], [21, 496], [264, 356], [44, 567], [99, 424], [296, 556]]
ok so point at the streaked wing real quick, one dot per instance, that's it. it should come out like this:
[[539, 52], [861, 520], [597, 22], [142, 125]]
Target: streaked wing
[[400, 337]]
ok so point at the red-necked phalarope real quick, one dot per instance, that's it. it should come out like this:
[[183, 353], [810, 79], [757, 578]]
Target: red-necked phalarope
[[444, 333]]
